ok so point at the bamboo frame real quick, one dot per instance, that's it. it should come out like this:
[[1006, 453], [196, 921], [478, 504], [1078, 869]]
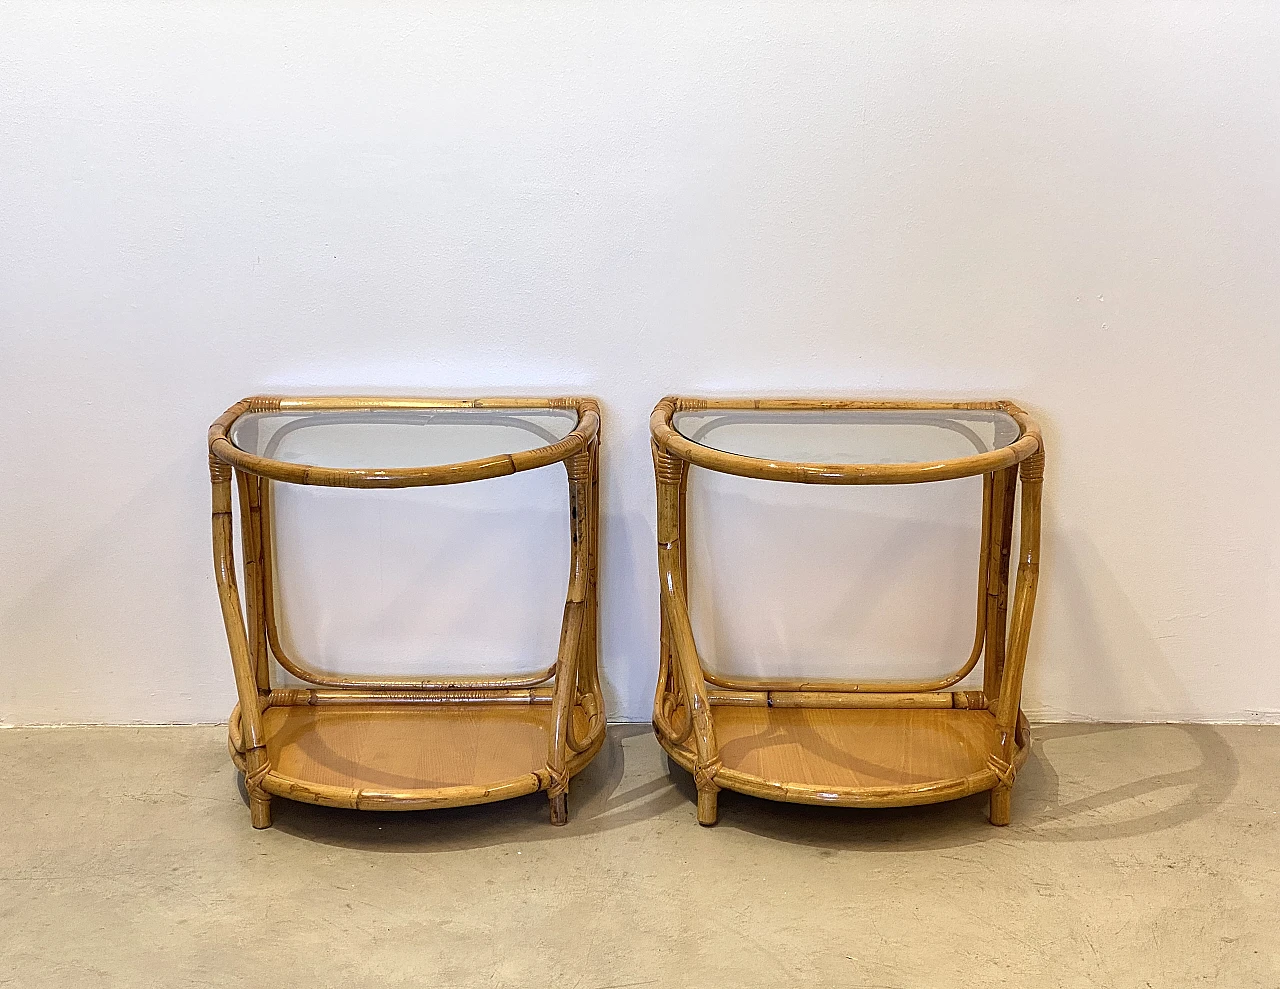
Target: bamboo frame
[[920, 723], [572, 706]]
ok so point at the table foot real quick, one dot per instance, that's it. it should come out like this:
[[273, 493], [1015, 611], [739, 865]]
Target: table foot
[[560, 809], [1001, 805], [260, 811], [707, 807]]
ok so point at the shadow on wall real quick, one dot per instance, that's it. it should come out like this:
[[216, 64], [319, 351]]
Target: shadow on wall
[[78, 633], [1105, 663], [1081, 783]]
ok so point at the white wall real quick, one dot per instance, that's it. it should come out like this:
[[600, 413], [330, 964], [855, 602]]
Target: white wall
[[1074, 205]]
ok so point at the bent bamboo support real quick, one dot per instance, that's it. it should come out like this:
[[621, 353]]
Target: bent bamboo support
[[1008, 705], [567, 686], [256, 766], [679, 633]]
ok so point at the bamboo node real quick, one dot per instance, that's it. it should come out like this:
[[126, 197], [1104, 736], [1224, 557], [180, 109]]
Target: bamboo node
[[264, 403], [1003, 770], [1033, 467], [219, 471]]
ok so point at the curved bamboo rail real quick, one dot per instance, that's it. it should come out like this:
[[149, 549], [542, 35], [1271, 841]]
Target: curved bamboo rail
[[990, 729], [670, 441], [574, 723], [221, 446]]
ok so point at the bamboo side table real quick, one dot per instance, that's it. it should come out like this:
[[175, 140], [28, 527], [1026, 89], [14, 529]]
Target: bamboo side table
[[404, 743], [847, 743]]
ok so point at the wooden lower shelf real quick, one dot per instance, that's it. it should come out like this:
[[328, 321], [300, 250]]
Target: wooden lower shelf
[[854, 757], [407, 757]]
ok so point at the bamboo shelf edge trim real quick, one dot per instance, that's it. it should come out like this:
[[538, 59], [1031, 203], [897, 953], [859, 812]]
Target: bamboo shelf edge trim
[[279, 697], [934, 791], [432, 798], [669, 440], [221, 447]]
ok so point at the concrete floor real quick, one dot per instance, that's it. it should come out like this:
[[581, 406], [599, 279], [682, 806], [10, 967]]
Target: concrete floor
[[1139, 856]]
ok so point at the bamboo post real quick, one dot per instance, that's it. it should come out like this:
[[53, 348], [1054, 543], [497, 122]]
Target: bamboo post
[[255, 751], [250, 491], [1010, 699], [564, 697], [589, 670], [1004, 488], [670, 472], [590, 696]]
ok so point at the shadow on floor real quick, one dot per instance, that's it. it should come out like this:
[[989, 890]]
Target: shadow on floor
[[598, 805]]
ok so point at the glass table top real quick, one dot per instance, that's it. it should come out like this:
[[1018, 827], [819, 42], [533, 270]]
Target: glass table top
[[387, 439], [849, 436]]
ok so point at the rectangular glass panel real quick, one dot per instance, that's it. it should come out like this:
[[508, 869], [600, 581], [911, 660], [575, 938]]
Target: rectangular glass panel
[[849, 436], [465, 579], [833, 583], [385, 439]]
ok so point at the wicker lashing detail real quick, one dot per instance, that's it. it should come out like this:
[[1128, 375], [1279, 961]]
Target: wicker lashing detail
[[219, 470], [1003, 770], [558, 784], [578, 467], [705, 776], [253, 780], [669, 469]]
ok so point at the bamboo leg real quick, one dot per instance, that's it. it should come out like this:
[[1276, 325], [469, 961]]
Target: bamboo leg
[[562, 702], [668, 692], [1001, 805], [255, 755], [1001, 535], [707, 762], [576, 609], [250, 490], [1010, 700], [671, 478], [708, 811], [589, 693], [589, 673]]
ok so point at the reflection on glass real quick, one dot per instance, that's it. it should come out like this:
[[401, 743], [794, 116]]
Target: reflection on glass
[[383, 439], [849, 436]]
